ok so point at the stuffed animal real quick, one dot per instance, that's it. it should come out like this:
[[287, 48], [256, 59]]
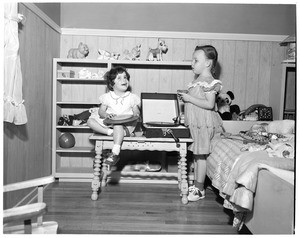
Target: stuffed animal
[[225, 109], [134, 54], [105, 55], [156, 54], [78, 53]]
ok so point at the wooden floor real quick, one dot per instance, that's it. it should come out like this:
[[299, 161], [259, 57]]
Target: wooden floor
[[134, 209]]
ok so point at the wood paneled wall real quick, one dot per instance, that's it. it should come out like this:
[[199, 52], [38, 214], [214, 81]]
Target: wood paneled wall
[[27, 148], [247, 68]]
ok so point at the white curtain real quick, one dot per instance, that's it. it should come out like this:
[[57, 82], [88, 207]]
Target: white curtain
[[14, 109]]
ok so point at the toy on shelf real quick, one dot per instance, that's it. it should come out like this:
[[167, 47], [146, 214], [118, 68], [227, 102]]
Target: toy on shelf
[[106, 55], [156, 54], [86, 74], [76, 119], [134, 54], [66, 140], [65, 73], [79, 53]]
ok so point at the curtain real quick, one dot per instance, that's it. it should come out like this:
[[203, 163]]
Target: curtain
[[14, 109]]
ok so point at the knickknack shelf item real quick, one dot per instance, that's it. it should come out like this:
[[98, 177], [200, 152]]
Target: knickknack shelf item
[[73, 94]]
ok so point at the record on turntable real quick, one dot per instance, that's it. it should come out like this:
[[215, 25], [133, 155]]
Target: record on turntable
[[120, 119]]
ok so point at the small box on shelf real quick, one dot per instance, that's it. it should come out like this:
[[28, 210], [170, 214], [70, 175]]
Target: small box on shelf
[[65, 73]]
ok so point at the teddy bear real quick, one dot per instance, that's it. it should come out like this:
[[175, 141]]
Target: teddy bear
[[225, 109], [78, 53]]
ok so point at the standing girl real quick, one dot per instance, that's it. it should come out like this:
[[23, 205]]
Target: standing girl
[[118, 101], [200, 113]]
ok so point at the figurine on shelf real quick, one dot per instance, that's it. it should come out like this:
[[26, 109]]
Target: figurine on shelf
[[86, 74], [105, 55], [134, 54], [79, 53], [156, 54]]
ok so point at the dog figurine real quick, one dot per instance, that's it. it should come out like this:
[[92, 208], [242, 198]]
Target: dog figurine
[[134, 54], [156, 54], [105, 55], [78, 53]]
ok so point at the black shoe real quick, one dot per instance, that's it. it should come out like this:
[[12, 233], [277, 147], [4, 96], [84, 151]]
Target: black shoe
[[112, 159]]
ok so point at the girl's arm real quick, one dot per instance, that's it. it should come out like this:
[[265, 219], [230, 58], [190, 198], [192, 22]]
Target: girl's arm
[[136, 111], [102, 112], [207, 103]]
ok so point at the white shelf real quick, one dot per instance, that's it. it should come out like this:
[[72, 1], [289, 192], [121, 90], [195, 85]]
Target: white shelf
[[122, 62], [289, 61], [80, 80], [75, 150], [77, 103], [73, 127], [70, 95]]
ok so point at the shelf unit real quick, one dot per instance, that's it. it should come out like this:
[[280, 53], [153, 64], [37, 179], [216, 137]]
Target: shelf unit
[[288, 91], [75, 95]]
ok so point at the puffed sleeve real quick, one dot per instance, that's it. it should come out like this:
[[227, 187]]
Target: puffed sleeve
[[214, 87], [135, 100], [103, 99]]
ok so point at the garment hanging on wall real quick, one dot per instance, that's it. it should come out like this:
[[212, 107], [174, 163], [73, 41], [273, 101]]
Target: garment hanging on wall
[[14, 109]]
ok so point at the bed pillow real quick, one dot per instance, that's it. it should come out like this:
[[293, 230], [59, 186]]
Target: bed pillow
[[281, 127]]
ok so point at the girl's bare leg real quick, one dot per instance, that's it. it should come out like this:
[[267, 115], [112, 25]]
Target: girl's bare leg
[[94, 125], [118, 134], [200, 172]]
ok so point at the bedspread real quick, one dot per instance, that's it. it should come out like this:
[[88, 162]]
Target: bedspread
[[234, 172], [220, 161], [241, 183]]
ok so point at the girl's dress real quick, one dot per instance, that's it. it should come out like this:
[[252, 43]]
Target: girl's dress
[[203, 123], [117, 105]]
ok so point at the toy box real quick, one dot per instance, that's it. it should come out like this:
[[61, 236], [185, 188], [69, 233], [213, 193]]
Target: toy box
[[65, 73], [160, 113]]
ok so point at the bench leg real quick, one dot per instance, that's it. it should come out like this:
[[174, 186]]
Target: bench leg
[[183, 170], [97, 165]]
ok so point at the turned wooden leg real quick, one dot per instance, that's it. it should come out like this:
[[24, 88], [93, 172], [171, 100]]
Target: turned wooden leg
[[179, 173], [184, 183], [97, 165]]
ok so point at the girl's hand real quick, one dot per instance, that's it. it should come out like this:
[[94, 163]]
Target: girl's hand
[[110, 116], [184, 97]]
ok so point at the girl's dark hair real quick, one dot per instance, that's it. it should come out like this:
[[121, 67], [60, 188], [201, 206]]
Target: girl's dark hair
[[210, 53], [111, 75]]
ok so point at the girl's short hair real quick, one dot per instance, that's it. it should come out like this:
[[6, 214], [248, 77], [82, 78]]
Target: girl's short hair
[[111, 75], [210, 53]]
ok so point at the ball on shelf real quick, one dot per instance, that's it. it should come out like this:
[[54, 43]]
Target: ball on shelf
[[66, 140]]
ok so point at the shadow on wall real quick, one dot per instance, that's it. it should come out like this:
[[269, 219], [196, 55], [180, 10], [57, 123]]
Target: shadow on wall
[[20, 131], [218, 70]]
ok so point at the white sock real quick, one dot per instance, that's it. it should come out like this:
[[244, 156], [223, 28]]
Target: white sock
[[116, 149], [110, 131]]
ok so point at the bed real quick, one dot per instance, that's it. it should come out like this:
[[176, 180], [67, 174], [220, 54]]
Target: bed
[[256, 180]]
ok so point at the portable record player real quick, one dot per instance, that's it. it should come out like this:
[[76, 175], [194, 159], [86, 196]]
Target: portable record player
[[160, 114]]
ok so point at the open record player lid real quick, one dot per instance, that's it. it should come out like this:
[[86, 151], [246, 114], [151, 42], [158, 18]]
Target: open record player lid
[[159, 109]]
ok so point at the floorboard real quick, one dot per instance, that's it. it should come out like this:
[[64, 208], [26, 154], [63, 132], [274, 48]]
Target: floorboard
[[134, 209]]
